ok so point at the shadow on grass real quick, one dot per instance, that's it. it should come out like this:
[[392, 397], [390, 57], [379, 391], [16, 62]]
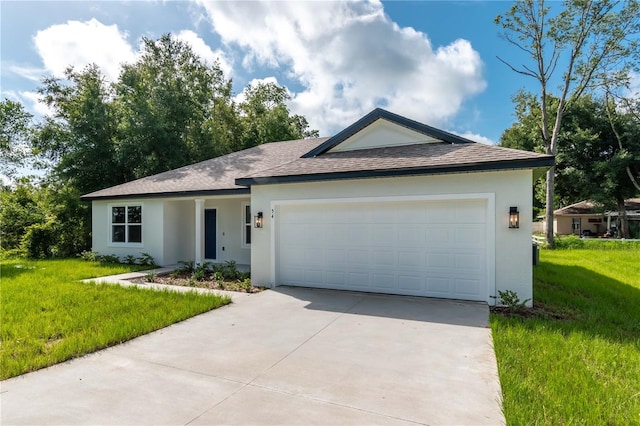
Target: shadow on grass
[[575, 299], [15, 269]]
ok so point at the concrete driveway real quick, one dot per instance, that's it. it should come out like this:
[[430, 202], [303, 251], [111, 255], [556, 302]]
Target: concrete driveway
[[284, 356]]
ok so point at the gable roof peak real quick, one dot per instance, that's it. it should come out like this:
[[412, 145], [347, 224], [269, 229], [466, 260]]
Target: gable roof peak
[[377, 114]]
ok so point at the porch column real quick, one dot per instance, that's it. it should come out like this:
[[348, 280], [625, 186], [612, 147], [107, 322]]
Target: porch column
[[199, 231]]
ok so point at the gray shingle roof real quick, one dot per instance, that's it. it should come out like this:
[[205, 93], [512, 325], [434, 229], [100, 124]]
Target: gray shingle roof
[[217, 175], [592, 207], [408, 159], [582, 207]]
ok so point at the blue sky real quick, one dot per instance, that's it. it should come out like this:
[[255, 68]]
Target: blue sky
[[433, 61]]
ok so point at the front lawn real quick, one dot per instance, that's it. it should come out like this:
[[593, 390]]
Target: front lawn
[[576, 359], [47, 316]]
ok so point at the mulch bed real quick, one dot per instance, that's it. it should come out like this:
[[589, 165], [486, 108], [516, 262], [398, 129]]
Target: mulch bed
[[539, 310], [186, 279]]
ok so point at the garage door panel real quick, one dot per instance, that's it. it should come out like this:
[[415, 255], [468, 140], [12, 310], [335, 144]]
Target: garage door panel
[[383, 235], [469, 236], [359, 257], [359, 279], [439, 260], [467, 287], [410, 282], [336, 256], [410, 215], [439, 286], [384, 258], [338, 234], [335, 278], [408, 236], [384, 281], [438, 236], [424, 248], [411, 259], [359, 234], [471, 262]]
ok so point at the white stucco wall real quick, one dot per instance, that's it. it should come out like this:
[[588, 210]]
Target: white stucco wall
[[152, 230], [513, 263], [179, 230], [168, 229]]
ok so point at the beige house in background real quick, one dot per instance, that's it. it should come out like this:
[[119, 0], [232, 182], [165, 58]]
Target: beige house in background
[[588, 218], [388, 205]]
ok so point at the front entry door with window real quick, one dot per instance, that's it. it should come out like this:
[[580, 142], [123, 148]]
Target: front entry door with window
[[210, 234]]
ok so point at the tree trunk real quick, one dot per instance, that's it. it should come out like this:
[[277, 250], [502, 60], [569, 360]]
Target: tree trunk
[[549, 203], [624, 223]]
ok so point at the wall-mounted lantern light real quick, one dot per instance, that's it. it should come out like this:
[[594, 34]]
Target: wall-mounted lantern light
[[258, 220], [514, 217]]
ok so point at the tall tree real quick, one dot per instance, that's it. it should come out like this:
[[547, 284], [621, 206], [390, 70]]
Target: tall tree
[[79, 139], [580, 42], [168, 100], [266, 117], [15, 133]]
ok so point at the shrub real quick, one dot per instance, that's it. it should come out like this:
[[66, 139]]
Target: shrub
[[146, 259], [129, 260], [187, 266], [246, 285], [569, 242], [109, 258], [511, 301], [39, 240], [575, 242], [230, 270], [89, 256]]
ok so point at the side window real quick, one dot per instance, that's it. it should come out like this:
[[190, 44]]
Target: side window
[[126, 224], [246, 225]]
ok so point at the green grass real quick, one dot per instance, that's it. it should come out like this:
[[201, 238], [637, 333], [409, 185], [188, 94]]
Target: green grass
[[47, 316], [576, 358]]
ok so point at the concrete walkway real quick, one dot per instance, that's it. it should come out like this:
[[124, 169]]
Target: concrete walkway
[[283, 356], [123, 280]]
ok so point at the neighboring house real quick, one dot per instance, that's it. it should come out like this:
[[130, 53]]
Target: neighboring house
[[632, 211], [387, 205], [588, 218], [583, 218]]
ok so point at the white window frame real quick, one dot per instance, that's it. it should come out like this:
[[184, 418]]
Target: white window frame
[[244, 224], [126, 224]]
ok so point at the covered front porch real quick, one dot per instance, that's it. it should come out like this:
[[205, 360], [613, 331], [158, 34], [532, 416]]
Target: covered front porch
[[212, 228], [208, 229]]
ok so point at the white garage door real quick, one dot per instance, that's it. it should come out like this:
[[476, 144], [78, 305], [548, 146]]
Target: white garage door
[[420, 248]]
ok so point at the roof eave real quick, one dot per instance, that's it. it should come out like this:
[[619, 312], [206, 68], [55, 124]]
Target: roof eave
[[169, 194], [461, 168], [380, 113]]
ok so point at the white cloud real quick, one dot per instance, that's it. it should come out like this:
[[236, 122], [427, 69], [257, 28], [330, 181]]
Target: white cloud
[[81, 43], [240, 97], [349, 57], [633, 89], [32, 102], [476, 138], [30, 73], [204, 51]]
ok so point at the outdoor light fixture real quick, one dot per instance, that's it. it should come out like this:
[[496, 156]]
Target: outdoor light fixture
[[258, 220], [514, 217]]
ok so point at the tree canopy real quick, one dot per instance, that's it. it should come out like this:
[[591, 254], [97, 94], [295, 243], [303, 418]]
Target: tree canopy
[[588, 43], [168, 109], [599, 142]]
